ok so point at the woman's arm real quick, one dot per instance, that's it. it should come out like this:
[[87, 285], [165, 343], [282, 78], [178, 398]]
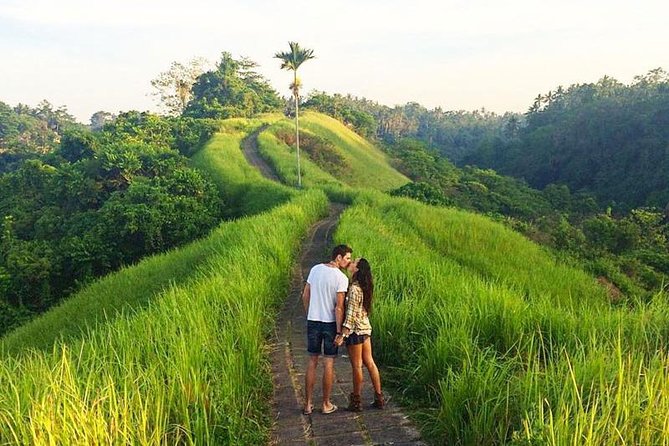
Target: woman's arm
[[352, 308]]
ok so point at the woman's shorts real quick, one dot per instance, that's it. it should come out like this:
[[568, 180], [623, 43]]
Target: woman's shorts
[[355, 339]]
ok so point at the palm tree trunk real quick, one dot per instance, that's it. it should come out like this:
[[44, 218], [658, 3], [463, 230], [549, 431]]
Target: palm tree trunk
[[297, 133]]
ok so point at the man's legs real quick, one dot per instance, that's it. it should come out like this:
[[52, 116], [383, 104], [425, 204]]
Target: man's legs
[[309, 380], [328, 378], [329, 354], [314, 340], [320, 335]]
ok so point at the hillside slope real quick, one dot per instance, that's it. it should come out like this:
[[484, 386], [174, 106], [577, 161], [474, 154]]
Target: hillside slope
[[244, 192], [332, 154], [497, 342], [153, 354], [243, 189], [605, 138]]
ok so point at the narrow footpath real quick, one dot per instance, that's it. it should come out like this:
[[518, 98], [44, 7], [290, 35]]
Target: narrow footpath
[[252, 154], [289, 359]]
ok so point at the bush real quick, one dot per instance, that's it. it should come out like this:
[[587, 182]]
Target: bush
[[321, 151], [421, 191], [190, 134]]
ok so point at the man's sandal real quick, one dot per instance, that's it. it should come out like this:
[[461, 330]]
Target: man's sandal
[[330, 410], [308, 410]]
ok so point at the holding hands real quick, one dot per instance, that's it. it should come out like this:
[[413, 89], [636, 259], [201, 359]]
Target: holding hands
[[339, 340]]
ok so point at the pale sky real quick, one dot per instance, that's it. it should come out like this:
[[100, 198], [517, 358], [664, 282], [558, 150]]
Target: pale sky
[[453, 54]]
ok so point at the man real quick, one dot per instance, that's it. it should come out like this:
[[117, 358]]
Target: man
[[323, 299]]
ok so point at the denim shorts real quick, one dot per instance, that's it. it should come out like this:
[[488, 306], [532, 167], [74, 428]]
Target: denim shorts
[[355, 339], [320, 338]]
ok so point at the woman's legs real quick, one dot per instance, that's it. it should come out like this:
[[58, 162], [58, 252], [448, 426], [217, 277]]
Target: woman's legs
[[355, 355], [368, 360]]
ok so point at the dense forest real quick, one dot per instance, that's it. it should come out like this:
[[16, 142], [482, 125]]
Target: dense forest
[[606, 138], [95, 202], [27, 131]]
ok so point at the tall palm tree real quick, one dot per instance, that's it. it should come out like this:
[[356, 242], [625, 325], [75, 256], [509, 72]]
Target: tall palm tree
[[291, 60]]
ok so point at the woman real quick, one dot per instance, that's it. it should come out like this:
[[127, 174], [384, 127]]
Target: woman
[[356, 332]]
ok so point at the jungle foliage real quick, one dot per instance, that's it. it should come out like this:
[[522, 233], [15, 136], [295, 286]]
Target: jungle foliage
[[99, 201], [233, 90]]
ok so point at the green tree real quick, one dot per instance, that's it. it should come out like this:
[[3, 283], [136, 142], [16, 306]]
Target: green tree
[[346, 109], [233, 89], [77, 144], [57, 120], [25, 133], [291, 60], [99, 201]]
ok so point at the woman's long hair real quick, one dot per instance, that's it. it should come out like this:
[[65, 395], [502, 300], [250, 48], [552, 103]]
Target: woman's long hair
[[364, 278]]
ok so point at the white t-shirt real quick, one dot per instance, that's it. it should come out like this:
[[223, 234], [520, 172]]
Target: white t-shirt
[[325, 282]]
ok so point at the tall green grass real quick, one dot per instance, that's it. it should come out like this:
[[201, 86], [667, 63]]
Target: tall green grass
[[243, 189], [188, 368], [283, 158], [368, 165], [493, 341], [121, 292], [493, 252]]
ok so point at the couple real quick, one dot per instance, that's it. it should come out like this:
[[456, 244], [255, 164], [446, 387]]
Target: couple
[[329, 326]]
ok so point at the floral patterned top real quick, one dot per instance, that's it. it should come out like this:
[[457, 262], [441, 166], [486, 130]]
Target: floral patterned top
[[356, 317]]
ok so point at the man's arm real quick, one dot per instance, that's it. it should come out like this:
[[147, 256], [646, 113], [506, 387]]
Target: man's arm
[[306, 297], [339, 310]]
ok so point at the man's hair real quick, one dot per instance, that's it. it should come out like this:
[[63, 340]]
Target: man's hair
[[340, 250]]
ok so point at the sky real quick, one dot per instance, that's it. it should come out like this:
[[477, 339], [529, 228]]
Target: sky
[[457, 55]]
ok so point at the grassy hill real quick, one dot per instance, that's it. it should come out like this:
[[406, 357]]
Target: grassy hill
[[490, 338], [244, 190], [241, 187], [175, 371], [345, 158]]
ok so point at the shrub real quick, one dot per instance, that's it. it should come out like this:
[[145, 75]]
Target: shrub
[[321, 151]]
